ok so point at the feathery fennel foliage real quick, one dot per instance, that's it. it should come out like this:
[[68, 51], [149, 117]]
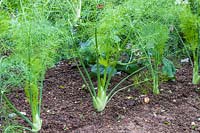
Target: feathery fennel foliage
[[190, 26], [107, 48], [36, 41]]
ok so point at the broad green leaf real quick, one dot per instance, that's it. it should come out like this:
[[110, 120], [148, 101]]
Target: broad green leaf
[[168, 68]]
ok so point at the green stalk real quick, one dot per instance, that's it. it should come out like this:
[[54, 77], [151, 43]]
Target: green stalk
[[104, 77], [1, 86], [13, 127], [155, 83], [90, 86], [185, 47], [115, 88], [33, 94], [41, 89], [196, 77], [153, 73], [101, 100], [109, 78], [72, 7], [124, 89], [29, 74], [88, 76], [155, 76], [97, 60], [17, 111]]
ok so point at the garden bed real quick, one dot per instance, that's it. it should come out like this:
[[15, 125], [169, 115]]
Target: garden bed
[[67, 107]]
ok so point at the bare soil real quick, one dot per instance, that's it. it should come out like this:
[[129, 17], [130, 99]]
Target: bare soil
[[68, 108]]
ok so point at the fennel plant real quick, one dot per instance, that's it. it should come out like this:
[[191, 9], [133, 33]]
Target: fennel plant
[[107, 48], [190, 26], [151, 26], [36, 42], [101, 94], [152, 38], [107, 53]]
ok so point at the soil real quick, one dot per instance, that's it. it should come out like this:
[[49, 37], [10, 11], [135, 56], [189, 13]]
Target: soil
[[67, 107]]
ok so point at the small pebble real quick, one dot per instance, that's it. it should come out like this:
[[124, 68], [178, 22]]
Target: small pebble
[[162, 110], [185, 60], [154, 114], [193, 123], [23, 113], [119, 73], [12, 115], [146, 100], [170, 91], [174, 100]]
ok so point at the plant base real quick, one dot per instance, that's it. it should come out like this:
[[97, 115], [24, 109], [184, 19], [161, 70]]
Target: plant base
[[99, 103], [37, 124]]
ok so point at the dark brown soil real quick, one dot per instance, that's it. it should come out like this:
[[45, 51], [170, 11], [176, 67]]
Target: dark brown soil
[[68, 108]]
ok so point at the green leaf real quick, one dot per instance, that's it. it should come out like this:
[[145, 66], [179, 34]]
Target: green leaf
[[102, 69], [103, 62], [168, 68]]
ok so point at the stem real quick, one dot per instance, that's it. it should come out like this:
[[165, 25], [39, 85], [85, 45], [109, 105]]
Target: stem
[[12, 127], [155, 75], [97, 60], [155, 83], [196, 77], [104, 77], [17, 111], [187, 51], [114, 89], [79, 10], [41, 89], [109, 78], [124, 89], [90, 88], [89, 78]]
